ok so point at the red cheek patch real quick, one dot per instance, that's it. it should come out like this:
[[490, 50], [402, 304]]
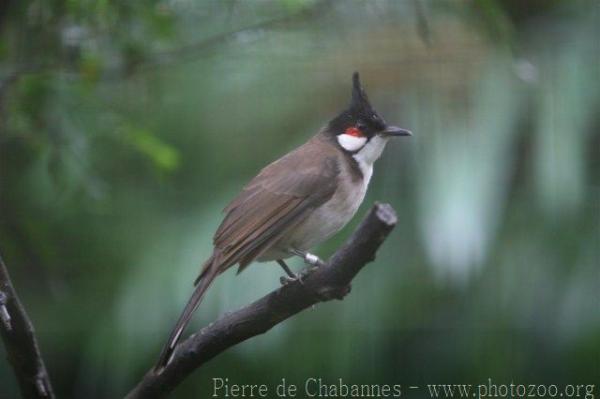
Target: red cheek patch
[[352, 131]]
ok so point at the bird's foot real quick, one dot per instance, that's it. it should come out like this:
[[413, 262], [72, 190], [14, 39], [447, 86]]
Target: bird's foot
[[313, 262], [285, 280], [307, 271], [290, 275]]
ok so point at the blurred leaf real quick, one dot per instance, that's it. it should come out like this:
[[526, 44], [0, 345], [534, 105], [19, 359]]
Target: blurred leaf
[[90, 67], [34, 90], [496, 22], [162, 21], [163, 156]]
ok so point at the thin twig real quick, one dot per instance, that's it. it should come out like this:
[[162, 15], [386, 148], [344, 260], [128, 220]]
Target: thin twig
[[423, 25], [331, 281], [182, 54], [248, 33], [20, 342]]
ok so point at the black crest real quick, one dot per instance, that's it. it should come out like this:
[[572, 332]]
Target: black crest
[[360, 112], [360, 102]]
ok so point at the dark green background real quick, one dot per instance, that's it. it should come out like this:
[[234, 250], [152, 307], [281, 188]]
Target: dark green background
[[125, 127]]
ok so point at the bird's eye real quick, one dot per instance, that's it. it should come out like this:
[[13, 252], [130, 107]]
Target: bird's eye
[[354, 131]]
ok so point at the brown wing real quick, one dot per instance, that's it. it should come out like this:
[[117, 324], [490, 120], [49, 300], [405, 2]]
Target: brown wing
[[275, 201]]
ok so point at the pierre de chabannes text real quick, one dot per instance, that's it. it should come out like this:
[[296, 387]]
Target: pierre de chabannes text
[[315, 387]]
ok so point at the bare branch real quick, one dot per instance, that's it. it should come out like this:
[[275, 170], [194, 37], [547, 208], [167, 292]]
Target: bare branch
[[20, 342], [328, 282]]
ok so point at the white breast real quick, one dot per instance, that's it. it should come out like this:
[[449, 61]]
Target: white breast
[[334, 214]]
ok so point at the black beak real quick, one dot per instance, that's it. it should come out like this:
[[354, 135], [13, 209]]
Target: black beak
[[395, 131]]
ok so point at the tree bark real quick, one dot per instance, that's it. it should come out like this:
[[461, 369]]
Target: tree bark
[[20, 342]]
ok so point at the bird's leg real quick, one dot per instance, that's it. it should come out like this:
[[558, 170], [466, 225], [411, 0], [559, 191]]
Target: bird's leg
[[291, 276], [312, 260], [286, 269], [309, 259]]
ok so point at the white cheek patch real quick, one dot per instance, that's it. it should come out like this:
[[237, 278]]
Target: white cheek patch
[[351, 143]]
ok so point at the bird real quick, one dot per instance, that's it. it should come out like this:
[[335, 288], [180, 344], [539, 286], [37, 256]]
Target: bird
[[296, 202]]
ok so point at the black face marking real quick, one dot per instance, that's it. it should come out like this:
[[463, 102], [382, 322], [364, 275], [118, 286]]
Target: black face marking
[[359, 114]]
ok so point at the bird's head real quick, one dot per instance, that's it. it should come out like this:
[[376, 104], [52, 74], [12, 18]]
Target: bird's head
[[359, 128]]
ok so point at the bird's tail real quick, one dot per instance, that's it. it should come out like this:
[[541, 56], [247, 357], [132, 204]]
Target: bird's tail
[[209, 272]]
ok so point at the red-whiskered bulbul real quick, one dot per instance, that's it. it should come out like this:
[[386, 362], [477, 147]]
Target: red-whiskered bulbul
[[296, 202]]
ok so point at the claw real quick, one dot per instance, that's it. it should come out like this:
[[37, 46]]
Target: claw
[[285, 280], [308, 271]]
